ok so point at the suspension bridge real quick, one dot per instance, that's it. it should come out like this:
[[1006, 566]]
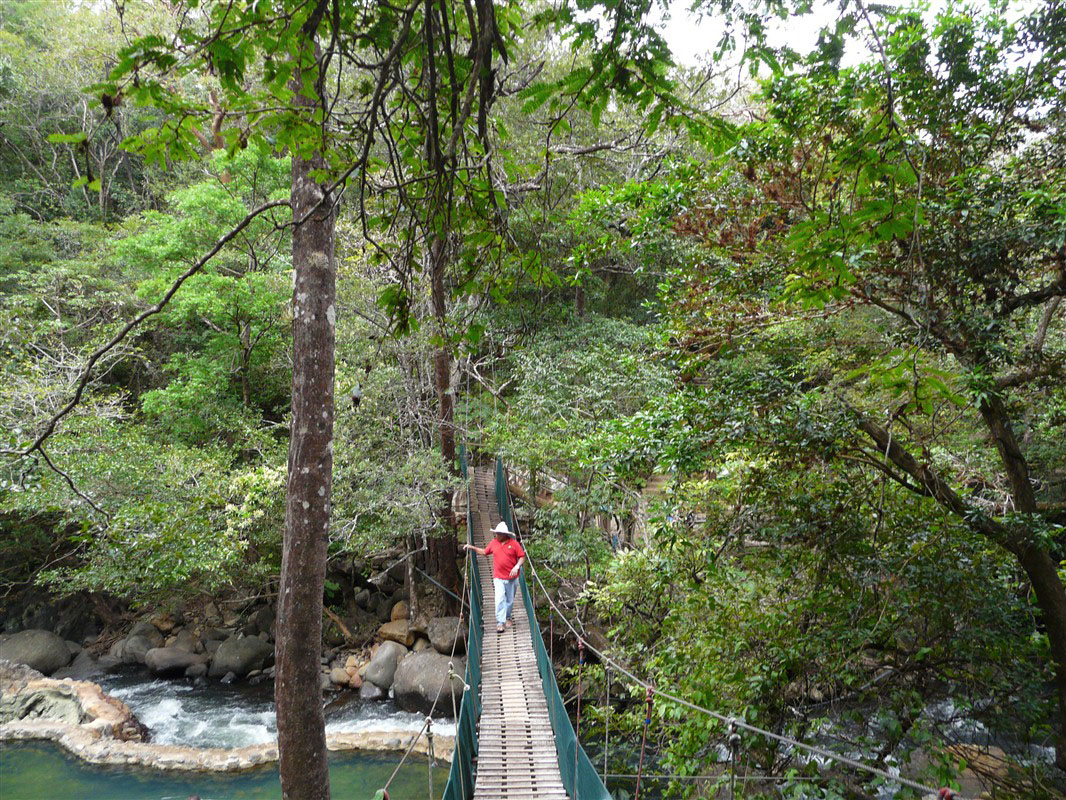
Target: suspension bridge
[[514, 739]]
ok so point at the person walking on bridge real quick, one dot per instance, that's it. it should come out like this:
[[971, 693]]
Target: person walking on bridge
[[507, 559]]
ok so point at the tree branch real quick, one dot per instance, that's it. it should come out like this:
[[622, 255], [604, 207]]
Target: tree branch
[[122, 334]]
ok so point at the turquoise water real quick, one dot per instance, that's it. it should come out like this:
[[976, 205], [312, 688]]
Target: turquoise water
[[41, 771]]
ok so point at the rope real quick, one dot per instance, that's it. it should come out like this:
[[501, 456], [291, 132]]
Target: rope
[[810, 748], [438, 584], [429, 764], [643, 741]]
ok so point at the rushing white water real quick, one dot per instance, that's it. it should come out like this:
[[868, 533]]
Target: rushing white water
[[213, 715]]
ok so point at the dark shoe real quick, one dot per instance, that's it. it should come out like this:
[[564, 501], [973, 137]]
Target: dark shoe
[[499, 629]]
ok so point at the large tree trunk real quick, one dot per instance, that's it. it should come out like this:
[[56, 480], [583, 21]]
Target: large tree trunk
[[298, 692], [1039, 566]]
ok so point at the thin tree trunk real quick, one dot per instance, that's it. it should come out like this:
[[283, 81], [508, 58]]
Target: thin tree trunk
[[298, 691], [442, 549]]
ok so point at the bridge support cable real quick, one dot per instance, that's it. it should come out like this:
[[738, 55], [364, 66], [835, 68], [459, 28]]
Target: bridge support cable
[[506, 508], [460, 785]]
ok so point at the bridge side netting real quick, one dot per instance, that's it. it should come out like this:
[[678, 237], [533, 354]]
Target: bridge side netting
[[580, 778], [460, 784]]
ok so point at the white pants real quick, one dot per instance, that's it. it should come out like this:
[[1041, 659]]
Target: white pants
[[504, 591]]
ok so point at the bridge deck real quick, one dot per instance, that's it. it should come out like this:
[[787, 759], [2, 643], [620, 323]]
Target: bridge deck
[[516, 747]]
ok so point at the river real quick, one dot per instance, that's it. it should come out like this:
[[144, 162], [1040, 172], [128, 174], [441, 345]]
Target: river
[[213, 715]]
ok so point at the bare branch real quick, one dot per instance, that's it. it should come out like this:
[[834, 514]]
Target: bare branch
[[83, 381]]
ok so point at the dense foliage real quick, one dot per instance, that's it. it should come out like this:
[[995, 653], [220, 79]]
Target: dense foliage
[[777, 359]]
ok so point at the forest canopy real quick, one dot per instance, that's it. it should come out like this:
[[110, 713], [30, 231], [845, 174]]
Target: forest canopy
[[774, 342]]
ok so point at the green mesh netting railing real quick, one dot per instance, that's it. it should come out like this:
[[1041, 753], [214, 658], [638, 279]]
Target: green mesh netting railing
[[460, 784], [580, 778]]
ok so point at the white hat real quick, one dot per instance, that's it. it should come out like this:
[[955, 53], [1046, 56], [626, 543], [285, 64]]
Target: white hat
[[502, 528]]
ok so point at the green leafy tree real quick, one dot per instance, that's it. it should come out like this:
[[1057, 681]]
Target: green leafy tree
[[917, 195]]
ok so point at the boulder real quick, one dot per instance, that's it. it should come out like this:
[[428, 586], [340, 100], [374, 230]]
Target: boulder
[[164, 623], [442, 635], [399, 611], [381, 608], [196, 670], [219, 634], [382, 666], [149, 632], [55, 703], [41, 650], [397, 632], [339, 676], [240, 656], [231, 617], [370, 691], [262, 621], [420, 676], [171, 660], [135, 649], [83, 667], [108, 663], [143, 637], [117, 648], [211, 613], [186, 640], [362, 598], [421, 643], [354, 680]]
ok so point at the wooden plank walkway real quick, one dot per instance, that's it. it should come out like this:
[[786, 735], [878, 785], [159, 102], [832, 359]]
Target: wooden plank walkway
[[516, 747]]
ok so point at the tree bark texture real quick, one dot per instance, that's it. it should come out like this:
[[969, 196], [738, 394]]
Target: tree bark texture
[[298, 692], [442, 550], [1038, 564]]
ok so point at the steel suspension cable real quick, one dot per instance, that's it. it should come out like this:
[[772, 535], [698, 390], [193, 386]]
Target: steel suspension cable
[[812, 749], [606, 721], [577, 724]]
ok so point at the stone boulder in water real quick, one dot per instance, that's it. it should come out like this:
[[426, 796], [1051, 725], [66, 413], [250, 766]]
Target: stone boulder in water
[[444, 632], [420, 676], [143, 637], [40, 650], [171, 660], [382, 667], [240, 656]]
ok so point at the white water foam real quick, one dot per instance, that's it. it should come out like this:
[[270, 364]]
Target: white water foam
[[214, 715]]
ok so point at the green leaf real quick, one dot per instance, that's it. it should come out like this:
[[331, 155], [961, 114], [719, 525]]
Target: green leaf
[[67, 138]]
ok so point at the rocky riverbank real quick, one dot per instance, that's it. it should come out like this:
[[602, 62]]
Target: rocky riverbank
[[99, 729]]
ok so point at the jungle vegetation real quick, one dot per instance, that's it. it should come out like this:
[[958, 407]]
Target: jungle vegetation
[[774, 343]]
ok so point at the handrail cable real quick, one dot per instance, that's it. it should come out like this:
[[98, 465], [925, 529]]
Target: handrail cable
[[810, 748]]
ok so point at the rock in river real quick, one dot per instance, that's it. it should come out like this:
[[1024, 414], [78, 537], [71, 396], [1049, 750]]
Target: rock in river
[[382, 668], [446, 631], [41, 650], [240, 656], [419, 678], [171, 660]]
